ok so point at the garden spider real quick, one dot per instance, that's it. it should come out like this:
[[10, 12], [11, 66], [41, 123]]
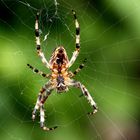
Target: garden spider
[[60, 77]]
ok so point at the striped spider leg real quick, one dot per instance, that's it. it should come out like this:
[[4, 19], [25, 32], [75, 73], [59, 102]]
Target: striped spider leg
[[41, 99], [42, 113], [42, 96], [39, 72], [38, 45], [86, 94], [81, 66], [77, 43]]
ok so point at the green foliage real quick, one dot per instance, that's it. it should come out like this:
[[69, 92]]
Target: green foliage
[[110, 41]]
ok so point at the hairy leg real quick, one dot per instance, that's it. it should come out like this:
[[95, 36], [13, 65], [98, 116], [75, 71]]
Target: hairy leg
[[77, 43], [42, 112], [38, 71], [40, 95], [87, 95], [38, 44], [79, 68]]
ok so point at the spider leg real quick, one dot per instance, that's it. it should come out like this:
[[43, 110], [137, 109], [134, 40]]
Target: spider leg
[[38, 71], [38, 46], [79, 68], [76, 52], [42, 113], [42, 120], [38, 102], [87, 95]]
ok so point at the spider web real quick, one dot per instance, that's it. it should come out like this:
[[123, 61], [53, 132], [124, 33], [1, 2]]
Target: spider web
[[110, 42]]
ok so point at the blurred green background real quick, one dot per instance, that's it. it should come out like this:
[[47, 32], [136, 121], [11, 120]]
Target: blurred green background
[[110, 40]]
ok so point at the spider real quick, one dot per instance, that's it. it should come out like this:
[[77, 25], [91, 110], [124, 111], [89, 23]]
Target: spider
[[60, 77]]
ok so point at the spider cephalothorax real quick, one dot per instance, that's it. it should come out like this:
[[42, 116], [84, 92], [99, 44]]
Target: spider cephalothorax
[[60, 77]]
